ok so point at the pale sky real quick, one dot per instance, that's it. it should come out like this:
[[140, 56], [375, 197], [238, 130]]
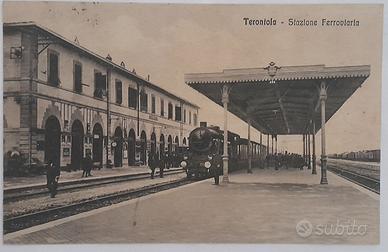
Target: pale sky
[[167, 41]]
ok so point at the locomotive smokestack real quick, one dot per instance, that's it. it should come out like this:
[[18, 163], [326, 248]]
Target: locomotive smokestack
[[203, 124]]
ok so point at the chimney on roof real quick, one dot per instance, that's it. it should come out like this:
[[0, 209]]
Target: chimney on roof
[[108, 57], [76, 40], [148, 77], [203, 124]]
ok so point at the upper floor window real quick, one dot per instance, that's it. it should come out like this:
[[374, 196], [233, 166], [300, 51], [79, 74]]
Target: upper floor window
[[184, 115], [53, 68], [143, 101], [99, 84], [132, 97], [161, 107], [170, 108], [119, 91], [189, 117], [195, 119], [153, 104], [178, 113], [77, 77]]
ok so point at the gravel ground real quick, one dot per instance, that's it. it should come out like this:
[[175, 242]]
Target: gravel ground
[[39, 203], [363, 168]]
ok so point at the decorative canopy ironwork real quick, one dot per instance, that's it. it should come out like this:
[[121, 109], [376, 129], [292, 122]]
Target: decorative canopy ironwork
[[281, 100]]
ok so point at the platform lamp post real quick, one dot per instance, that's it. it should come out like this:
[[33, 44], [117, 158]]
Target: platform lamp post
[[261, 150], [323, 98], [225, 157], [108, 114], [267, 154]]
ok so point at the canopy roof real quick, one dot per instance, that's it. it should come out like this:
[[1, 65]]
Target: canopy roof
[[281, 100]]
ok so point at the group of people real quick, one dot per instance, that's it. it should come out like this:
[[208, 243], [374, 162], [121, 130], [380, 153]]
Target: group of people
[[286, 160], [162, 161], [53, 172]]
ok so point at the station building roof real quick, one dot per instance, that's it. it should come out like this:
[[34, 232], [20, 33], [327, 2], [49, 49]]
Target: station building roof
[[281, 100], [46, 37]]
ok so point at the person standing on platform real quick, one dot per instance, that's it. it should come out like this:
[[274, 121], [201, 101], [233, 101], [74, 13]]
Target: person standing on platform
[[85, 166], [215, 170], [53, 173], [162, 164], [151, 164], [157, 163], [166, 160], [84, 170], [89, 165]]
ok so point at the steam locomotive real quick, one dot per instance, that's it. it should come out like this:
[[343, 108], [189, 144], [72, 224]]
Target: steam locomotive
[[204, 156]]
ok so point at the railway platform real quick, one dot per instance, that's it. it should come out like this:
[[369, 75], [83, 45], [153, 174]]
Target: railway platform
[[268, 206]]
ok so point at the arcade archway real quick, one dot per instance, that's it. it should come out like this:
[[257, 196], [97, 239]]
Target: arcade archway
[[153, 143], [169, 140], [52, 149], [143, 147], [118, 147], [131, 147], [97, 144], [176, 143], [161, 144], [77, 144]]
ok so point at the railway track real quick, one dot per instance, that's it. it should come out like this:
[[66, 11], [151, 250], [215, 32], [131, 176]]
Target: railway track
[[15, 194], [367, 182], [16, 223]]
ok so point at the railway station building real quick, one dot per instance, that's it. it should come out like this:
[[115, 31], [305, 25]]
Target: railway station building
[[62, 102]]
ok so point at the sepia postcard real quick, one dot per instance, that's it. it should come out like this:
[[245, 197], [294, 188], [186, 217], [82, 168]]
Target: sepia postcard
[[156, 123]]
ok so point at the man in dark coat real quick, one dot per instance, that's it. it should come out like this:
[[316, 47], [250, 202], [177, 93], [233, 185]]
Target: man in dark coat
[[89, 165], [215, 169], [84, 168], [162, 164], [53, 173], [151, 164], [157, 163]]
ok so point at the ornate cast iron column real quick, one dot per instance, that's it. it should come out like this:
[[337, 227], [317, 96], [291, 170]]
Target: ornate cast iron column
[[249, 148], [308, 148], [261, 150], [276, 144], [304, 150], [314, 171], [323, 98], [225, 156]]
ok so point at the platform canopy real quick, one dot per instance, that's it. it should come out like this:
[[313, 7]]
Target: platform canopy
[[281, 100]]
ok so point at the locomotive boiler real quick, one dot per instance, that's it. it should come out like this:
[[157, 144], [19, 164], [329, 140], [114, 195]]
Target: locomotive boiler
[[205, 153]]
